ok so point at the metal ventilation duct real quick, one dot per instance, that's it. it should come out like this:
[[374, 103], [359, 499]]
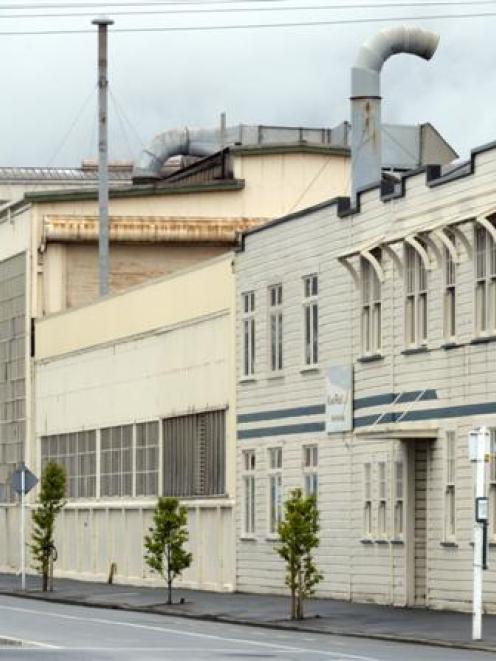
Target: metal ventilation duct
[[366, 137]]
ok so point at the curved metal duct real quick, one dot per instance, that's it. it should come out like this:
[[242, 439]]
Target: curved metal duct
[[184, 142], [366, 142]]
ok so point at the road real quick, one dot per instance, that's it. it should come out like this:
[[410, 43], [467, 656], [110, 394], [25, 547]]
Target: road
[[55, 631]]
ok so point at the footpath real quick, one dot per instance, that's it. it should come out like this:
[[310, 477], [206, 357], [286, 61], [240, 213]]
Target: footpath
[[327, 616]]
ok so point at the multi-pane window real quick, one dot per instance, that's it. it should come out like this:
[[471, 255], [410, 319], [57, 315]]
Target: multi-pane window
[[382, 501], [248, 330], [371, 307], [450, 497], [485, 282], [116, 471], [416, 298], [311, 319], [399, 498], [147, 459], [194, 454], [367, 498], [449, 292], [311, 469], [492, 484], [275, 327], [275, 488], [76, 453], [249, 502]]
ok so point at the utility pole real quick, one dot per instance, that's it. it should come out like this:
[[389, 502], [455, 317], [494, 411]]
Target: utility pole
[[103, 194], [479, 453]]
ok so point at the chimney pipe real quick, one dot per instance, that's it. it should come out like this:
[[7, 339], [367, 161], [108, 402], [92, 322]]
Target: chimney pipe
[[366, 138]]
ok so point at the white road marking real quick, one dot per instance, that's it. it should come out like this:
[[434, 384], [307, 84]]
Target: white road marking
[[23, 641], [338, 656]]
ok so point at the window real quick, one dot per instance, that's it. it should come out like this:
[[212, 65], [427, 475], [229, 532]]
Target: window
[[492, 484], [382, 505], [416, 298], [311, 319], [449, 293], [275, 489], [249, 492], [275, 327], [399, 495], [367, 493], [311, 470], [76, 453], [450, 500], [147, 459], [116, 470], [485, 282], [371, 307], [194, 454], [248, 329]]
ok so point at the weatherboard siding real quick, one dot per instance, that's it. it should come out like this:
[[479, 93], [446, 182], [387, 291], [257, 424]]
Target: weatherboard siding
[[463, 381]]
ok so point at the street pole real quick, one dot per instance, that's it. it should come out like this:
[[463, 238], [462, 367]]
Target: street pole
[[103, 194], [479, 442], [23, 527]]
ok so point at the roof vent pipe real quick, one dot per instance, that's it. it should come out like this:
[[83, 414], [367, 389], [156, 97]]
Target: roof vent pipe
[[366, 139]]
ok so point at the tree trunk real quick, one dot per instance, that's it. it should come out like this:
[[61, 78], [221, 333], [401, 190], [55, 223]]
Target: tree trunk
[[44, 580], [299, 606], [293, 603], [169, 579]]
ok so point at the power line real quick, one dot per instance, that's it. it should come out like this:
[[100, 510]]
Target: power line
[[235, 10], [101, 5], [254, 26]]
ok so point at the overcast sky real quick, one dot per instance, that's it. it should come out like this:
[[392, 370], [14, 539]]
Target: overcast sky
[[295, 76]]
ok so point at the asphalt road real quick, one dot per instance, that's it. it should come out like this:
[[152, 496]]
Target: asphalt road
[[54, 631]]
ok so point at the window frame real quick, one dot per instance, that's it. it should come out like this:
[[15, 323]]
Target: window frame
[[416, 283], [311, 320], [484, 282], [248, 477], [311, 470], [248, 334], [368, 519], [274, 488], [450, 471], [275, 328], [449, 292], [370, 307]]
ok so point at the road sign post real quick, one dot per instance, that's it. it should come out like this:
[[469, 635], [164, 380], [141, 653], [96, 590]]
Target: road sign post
[[22, 481]]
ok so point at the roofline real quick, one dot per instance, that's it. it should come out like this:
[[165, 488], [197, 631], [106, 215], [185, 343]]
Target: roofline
[[135, 191], [289, 148]]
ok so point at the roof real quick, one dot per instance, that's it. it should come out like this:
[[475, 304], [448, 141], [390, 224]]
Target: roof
[[34, 174]]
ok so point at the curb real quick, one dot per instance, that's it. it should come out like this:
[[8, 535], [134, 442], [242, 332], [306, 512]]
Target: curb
[[278, 626]]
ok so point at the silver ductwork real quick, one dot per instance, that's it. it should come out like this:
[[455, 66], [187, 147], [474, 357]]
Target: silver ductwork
[[366, 138], [183, 142]]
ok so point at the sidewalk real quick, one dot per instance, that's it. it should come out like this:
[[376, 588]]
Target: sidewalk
[[322, 615]]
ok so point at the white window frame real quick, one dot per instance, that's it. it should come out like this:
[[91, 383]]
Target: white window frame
[[450, 486], [399, 499], [275, 351], [311, 470], [249, 493], [485, 282], [382, 500], [274, 482], [311, 320], [416, 299], [449, 311], [371, 303], [368, 524], [248, 336]]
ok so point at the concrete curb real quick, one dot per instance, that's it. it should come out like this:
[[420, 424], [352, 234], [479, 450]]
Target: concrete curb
[[275, 625]]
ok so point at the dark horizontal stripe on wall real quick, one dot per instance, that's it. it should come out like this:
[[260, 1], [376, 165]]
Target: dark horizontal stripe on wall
[[463, 410], [296, 412], [388, 398], [302, 428]]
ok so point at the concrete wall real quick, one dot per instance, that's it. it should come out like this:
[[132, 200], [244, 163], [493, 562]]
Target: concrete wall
[[157, 351], [460, 380]]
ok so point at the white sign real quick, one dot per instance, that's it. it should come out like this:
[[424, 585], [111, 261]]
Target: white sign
[[339, 398]]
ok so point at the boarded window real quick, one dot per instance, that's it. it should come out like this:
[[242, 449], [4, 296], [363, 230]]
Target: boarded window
[[116, 461], [76, 453], [194, 454]]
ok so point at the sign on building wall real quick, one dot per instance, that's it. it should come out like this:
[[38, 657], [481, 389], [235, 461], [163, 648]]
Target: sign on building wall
[[339, 398]]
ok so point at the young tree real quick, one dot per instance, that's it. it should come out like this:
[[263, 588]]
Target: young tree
[[298, 536], [50, 502], [164, 545]]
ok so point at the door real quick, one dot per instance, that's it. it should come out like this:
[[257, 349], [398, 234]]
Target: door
[[417, 516]]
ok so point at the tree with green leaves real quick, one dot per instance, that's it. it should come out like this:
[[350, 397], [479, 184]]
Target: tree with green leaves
[[298, 537], [165, 552], [50, 502]]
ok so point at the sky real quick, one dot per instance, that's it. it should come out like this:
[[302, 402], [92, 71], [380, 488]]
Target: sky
[[295, 76]]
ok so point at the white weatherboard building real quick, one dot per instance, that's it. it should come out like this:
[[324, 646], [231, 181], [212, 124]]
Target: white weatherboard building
[[366, 353]]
